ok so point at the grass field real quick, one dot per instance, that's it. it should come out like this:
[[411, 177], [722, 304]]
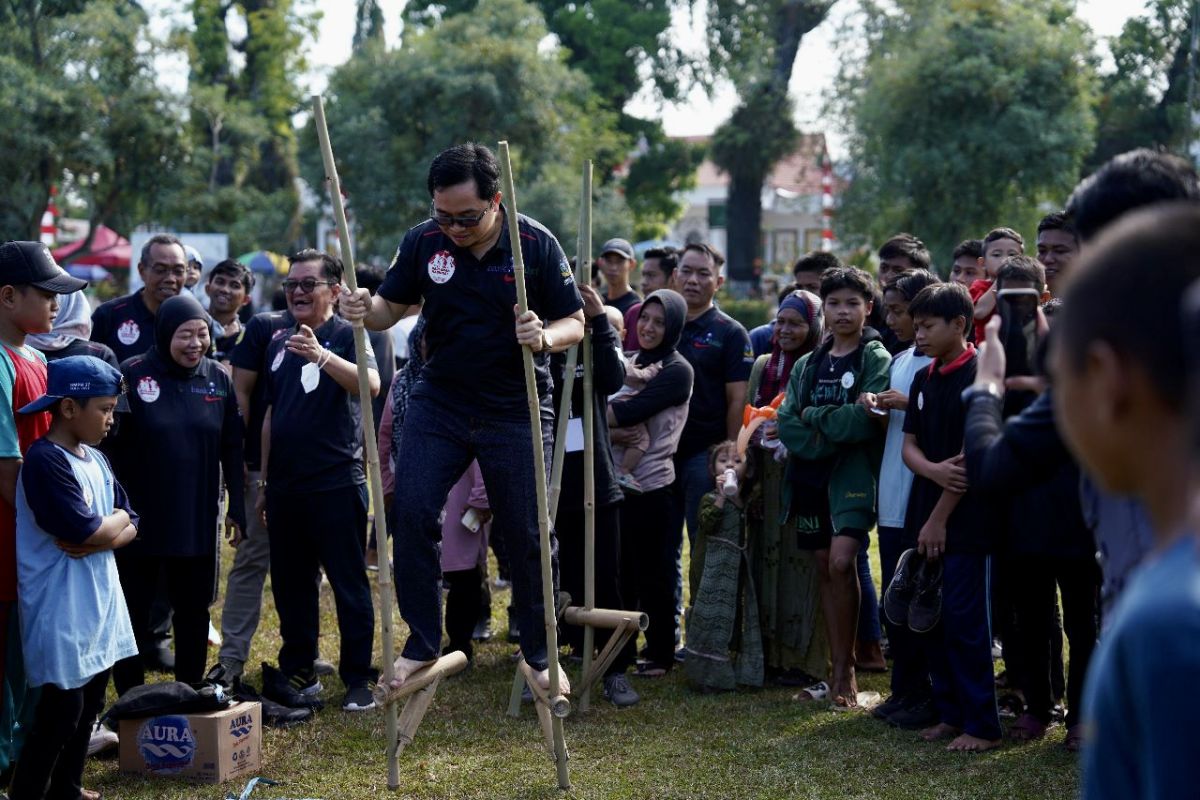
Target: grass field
[[675, 744]]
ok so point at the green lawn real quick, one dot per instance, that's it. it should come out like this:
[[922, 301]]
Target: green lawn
[[675, 744]]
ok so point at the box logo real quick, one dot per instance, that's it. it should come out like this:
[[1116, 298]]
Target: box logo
[[241, 726], [166, 743]]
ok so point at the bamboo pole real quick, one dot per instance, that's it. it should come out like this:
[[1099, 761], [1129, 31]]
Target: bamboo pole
[[608, 618], [539, 467], [445, 666], [371, 445], [589, 444], [560, 437]]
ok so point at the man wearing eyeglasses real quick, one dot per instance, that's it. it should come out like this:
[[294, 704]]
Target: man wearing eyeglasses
[[470, 401], [126, 324]]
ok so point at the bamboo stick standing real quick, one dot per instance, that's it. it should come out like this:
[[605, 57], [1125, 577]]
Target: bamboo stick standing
[[371, 446], [589, 444], [539, 471]]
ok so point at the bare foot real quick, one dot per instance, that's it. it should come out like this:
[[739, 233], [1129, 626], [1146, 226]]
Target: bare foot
[[543, 679], [89, 794], [966, 743], [403, 668], [939, 731], [868, 657]]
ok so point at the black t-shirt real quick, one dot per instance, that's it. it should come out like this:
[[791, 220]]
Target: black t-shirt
[[82, 347], [624, 302], [223, 345], [474, 359], [937, 417], [316, 437], [718, 348], [251, 354], [833, 379], [179, 430], [125, 325]]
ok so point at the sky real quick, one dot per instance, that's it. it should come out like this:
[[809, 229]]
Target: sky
[[813, 75]]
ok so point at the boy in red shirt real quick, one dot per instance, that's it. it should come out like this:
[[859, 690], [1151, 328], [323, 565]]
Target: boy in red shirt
[[999, 245]]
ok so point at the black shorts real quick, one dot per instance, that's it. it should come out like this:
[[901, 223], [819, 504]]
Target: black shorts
[[814, 529]]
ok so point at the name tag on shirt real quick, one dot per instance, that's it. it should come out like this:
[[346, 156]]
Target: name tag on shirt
[[574, 435]]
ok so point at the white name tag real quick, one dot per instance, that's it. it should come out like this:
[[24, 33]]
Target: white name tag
[[574, 435]]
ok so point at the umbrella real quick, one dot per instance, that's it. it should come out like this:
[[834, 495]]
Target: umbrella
[[109, 249], [264, 261]]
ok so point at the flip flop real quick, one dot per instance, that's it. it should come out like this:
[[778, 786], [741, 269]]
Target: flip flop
[[818, 691], [866, 701]]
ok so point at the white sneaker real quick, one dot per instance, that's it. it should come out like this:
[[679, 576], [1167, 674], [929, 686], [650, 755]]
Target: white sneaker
[[102, 739], [214, 636]]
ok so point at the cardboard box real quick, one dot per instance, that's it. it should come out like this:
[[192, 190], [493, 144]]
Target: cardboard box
[[211, 747]]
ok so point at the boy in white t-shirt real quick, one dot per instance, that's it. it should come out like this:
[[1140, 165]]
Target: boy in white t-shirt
[[71, 515], [910, 705]]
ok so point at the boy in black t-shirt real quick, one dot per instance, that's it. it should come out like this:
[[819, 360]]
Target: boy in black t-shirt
[[952, 522]]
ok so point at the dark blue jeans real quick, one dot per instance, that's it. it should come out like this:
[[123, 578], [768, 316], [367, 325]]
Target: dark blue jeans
[[436, 447], [910, 675]]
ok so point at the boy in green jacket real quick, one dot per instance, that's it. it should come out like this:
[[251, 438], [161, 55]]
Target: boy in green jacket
[[835, 450]]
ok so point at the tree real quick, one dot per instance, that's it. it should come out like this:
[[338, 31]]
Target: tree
[[964, 115], [1144, 100], [755, 45], [78, 79], [368, 24], [482, 77]]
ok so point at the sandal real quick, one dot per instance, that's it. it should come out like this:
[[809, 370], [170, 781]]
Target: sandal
[[818, 691], [1074, 740], [865, 701], [1027, 728]]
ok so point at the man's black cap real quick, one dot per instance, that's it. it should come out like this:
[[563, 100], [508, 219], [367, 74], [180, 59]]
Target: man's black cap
[[30, 264]]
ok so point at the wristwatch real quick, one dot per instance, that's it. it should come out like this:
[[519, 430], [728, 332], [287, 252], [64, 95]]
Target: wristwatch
[[547, 342], [989, 389]]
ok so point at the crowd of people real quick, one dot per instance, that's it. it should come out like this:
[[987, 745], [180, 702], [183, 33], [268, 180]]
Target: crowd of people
[[1024, 430]]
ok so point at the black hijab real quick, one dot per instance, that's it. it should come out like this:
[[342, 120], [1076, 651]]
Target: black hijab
[[674, 315], [171, 314]]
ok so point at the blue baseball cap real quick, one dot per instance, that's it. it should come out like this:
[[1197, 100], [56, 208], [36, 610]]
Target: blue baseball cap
[[79, 376]]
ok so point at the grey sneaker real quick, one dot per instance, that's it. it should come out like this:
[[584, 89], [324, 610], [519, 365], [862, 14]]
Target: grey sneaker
[[618, 691]]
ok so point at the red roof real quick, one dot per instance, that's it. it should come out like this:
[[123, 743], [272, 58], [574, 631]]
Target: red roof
[[109, 249]]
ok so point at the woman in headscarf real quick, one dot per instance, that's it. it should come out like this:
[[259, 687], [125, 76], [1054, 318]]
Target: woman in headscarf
[[71, 331], [785, 574], [647, 553], [182, 431]]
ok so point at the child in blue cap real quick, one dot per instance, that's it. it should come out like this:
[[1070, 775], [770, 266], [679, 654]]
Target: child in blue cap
[[71, 515]]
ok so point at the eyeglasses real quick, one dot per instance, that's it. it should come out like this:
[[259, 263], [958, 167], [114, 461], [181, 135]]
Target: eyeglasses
[[162, 270], [308, 285], [449, 221]]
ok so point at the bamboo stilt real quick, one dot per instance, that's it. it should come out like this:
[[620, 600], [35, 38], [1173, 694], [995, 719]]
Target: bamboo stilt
[[539, 466], [370, 444], [589, 444], [447, 665]]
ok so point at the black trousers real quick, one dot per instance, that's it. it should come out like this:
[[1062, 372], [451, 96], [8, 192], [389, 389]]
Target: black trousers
[[463, 601], [648, 550], [569, 527], [1036, 606], [910, 672], [191, 587], [51, 764], [311, 532]]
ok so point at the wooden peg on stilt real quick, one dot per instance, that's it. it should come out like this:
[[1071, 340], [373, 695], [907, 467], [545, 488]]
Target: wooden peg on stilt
[[417, 692], [539, 472]]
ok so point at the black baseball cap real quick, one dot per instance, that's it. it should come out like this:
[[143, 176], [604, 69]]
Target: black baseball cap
[[619, 246], [30, 264]]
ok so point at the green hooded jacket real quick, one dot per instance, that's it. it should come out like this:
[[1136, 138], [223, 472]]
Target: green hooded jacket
[[846, 433]]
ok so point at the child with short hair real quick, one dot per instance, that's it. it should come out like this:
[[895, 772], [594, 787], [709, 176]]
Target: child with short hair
[[998, 246], [910, 704], [836, 447], [71, 514], [964, 267], [1021, 289], [724, 637], [951, 523]]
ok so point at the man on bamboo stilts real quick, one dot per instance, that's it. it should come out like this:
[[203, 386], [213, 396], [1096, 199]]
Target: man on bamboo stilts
[[470, 401]]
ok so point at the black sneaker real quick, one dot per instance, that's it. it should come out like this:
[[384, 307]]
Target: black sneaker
[[224, 674], [358, 698], [297, 691], [888, 707], [323, 667], [618, 691], [898, 596], [926, 608], [917, 714]]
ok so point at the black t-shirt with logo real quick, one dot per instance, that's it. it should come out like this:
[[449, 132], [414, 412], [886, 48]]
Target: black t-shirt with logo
[[250, 353], [474, 359], [316, 436], [624, 302], [718, 348], [125, 325], [937, 417]]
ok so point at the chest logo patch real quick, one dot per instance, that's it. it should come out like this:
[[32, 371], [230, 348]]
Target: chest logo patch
[[921, 401], [278, 360], [441, 266], [129, 332], [847, 379], [148, 390]]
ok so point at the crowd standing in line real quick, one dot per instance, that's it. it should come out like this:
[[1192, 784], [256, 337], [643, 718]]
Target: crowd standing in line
[[1024, 430]]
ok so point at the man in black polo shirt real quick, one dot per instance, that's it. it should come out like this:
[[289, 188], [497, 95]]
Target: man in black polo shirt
[[314, 489], [126, 324], [616, 262], [470, 400], [718, 348]]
